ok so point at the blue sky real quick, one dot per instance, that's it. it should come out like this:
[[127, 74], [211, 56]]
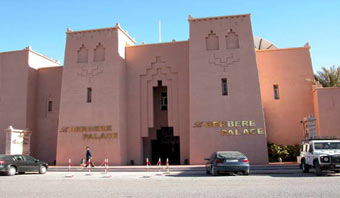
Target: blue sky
[[42, 24]]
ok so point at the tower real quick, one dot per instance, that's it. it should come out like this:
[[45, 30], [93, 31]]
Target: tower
[[93, 98], [225, 100]]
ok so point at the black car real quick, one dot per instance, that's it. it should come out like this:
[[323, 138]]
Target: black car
[[227, 161], [12, 164]]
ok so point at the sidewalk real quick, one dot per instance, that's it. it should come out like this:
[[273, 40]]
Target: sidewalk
[[272, 168]]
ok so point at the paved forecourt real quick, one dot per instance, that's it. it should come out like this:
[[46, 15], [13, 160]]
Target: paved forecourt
[[175, 184]]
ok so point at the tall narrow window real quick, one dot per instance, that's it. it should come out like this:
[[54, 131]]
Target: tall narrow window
[[224, 87], [82, 54], [99, 53], [49, 106], [276, 92], [232, 41], [164, 101], [212, 41], [89, 95]]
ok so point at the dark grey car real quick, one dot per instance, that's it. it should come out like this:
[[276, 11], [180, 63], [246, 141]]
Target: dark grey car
[[226, 162], [12, 164]]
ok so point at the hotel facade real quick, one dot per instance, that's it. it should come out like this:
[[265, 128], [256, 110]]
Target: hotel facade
[[222, 89]]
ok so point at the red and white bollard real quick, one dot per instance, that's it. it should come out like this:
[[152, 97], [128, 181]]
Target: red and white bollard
[[147, 164], [159, 164], [69, 168], [106, 165], [167, 165], [89, 167]]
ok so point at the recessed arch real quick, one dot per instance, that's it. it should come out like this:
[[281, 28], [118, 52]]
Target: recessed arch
[[212, 42]]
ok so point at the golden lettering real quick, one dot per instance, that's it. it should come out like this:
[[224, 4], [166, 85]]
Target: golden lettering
[[237, 123], [252, 131], [260, 131], [109, 128], [223, 132], [252, 123], [63, 129], [208, 124], [245, 123], [198, 124], [230, 124], [230, 132], [236, 132], [223, 124], [245, 132], [216, 124]]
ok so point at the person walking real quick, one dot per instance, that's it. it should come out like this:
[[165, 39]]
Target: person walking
[[89, 157]]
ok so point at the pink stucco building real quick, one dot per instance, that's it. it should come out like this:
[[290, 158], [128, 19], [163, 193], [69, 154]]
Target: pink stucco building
[[220, 90]]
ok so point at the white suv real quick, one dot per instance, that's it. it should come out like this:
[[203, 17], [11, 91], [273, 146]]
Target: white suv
[[321, 154]]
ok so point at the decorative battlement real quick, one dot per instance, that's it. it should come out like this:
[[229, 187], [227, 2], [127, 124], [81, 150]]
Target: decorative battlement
[[192, 19], [29, 48], [117, 27]]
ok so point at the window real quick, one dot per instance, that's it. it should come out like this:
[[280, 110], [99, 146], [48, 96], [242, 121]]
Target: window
[[164, 101], [232, 41], [29, 158], [311, 148], [224, 87], [276, 92], [18, 158], [211, 41], [82, 54], [89, 95], [99, 53], [49, 106]]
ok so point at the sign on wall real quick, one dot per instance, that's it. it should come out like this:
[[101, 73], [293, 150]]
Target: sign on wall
[[231, 128], [92, 132]]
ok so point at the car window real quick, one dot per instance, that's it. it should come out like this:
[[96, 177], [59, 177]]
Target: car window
[[29, 158], [230, 155], [5, 157], [18, 158], [327, 145], [311, 148]]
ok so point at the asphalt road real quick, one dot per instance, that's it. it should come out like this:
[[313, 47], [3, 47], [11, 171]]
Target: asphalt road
[[176, 184]]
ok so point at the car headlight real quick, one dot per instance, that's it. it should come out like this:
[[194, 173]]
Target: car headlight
[[325, 159]]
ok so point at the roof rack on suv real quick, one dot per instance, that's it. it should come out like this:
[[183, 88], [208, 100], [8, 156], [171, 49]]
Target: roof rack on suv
[[322, 138]]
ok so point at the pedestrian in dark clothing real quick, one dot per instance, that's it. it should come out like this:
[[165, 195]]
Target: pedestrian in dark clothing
[[89, 157]]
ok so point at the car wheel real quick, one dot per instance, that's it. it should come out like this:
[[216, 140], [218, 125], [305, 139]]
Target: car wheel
[[11, 171], [318, 170], [42, 170], [246, 172], [305, 167], [214, 171]]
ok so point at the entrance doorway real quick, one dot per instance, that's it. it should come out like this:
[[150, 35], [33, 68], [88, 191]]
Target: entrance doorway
[[165, 146], [161, 142]]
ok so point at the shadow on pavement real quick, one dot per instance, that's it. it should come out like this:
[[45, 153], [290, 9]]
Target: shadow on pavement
[[291, 174]]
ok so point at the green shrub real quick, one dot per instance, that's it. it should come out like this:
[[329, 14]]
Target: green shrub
[[286, 153]]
